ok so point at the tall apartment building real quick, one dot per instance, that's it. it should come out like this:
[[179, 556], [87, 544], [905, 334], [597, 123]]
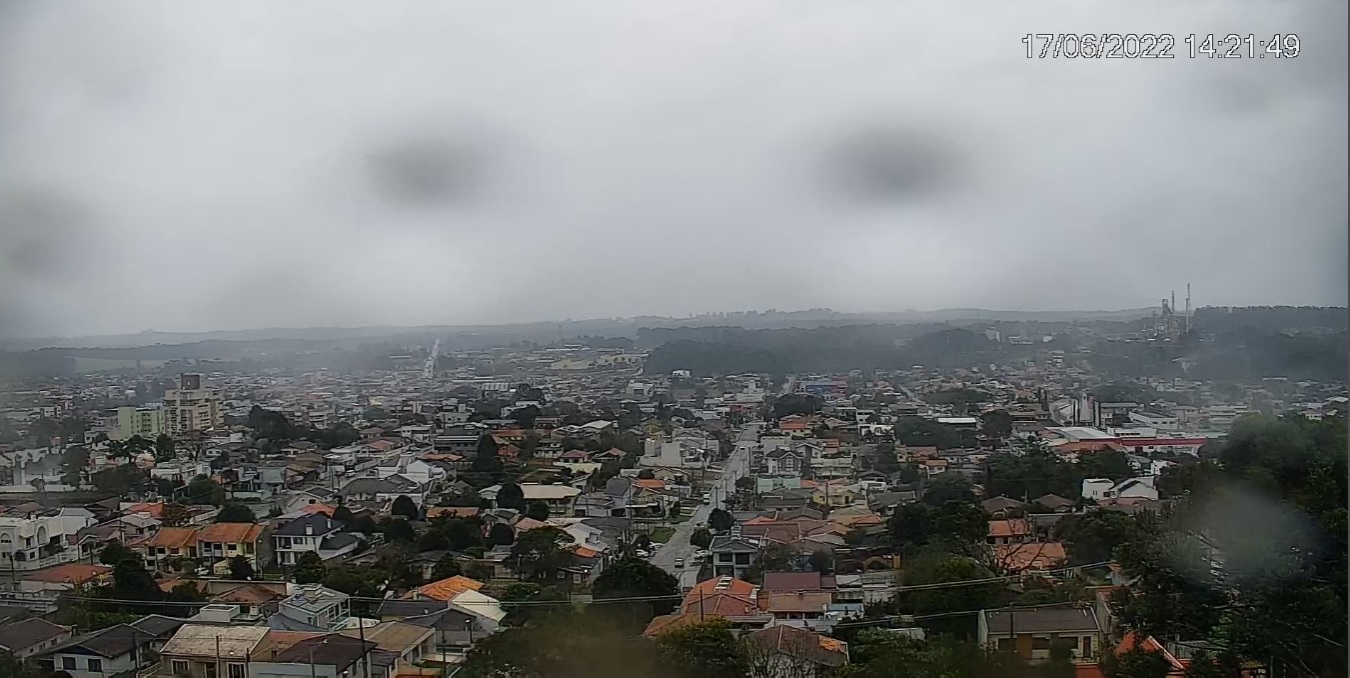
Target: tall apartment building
[[146, 422], [192, 406]]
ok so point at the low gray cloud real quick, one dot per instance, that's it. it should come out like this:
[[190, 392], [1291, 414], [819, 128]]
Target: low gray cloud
[[424, 162]]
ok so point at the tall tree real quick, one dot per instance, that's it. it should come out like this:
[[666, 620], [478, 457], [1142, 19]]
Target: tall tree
[[406, 507], [236, 512], [501, 534], [538, 554], [309, 568], [240, 568], [511, 496], [537, 510], [631, 577], [720, 520], [704, 650], [165, 449]]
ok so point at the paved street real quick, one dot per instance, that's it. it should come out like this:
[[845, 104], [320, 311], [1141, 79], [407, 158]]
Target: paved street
[[735, 466]]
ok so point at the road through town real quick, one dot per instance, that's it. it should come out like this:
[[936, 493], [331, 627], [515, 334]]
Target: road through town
[[735, 466]]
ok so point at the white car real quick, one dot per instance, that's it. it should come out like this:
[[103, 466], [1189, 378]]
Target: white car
[[679, 563], [701, 554]]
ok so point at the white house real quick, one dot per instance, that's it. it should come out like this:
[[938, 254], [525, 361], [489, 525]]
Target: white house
[[1098, 489], [33, 541]]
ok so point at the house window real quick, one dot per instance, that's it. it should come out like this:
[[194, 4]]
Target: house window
[[1040, 642], [179, 667], [1070, 642], [1087, 646], [211, 670], [68, 663], [95, 665], [235, 670]]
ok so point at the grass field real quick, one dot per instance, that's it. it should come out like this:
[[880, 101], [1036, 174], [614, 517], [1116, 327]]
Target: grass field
[[662, 535]]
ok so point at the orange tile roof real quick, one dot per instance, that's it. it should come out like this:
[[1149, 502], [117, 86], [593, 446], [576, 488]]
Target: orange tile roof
[[1009, 528], [310, 509], [722, 604], [1034, 556], [448, 588], [708, 587], [650, 483], [154, 510], [584, 552], [670, 622], [225, 533], [173, 537], [74, 573]]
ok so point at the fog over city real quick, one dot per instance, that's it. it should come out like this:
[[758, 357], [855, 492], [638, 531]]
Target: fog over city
[[203, 166]]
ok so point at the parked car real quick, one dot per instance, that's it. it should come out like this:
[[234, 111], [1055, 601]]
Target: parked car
[[679, 562]]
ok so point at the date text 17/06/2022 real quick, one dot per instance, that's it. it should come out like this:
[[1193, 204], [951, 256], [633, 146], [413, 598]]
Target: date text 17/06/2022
[[1161, 46]]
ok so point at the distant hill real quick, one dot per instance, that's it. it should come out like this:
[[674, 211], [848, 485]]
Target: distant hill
[[547, 331]]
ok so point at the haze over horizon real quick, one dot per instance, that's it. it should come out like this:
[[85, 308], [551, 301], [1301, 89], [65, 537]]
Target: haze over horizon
[[196, 167]]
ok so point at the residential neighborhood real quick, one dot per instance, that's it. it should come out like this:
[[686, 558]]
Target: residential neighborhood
[[397, 521]]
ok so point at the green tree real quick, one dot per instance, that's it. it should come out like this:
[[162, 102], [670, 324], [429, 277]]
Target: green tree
[[704, 650], [446, 567], [745, 484], [538, 554], [1092, 537], [13, 667], [240, 568], [1279, 590], [1135, 663], [537, 510], [432, 540], [203, 490], [343, 515], [701, 538], [236, 512], [511, 496], [309, 568], [404, 506], [488, 462], [720, 520], [399, 529], [934, 566], [563, 643], [75, 460], [821, 561], [996, 424], [165, 450], [501, 534], [175, 515], [633, 578], [115, 553], [353, 580]]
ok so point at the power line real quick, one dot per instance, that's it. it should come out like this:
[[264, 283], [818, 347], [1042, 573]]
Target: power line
[[621, 599]]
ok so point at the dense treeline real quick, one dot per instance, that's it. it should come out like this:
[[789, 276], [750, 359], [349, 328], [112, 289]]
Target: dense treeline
[[827, 349], [1267, 320], [1252, 557]]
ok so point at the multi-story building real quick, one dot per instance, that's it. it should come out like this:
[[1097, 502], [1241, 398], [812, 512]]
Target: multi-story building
[[315, 532], [32, 541], [146, 422], [317, 606], [192, 406]]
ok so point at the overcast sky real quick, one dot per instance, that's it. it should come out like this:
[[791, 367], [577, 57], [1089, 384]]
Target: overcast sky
[[188, 166]]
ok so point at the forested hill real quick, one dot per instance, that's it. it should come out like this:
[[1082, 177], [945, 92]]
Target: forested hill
[[1228, 344], [831, 349]]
